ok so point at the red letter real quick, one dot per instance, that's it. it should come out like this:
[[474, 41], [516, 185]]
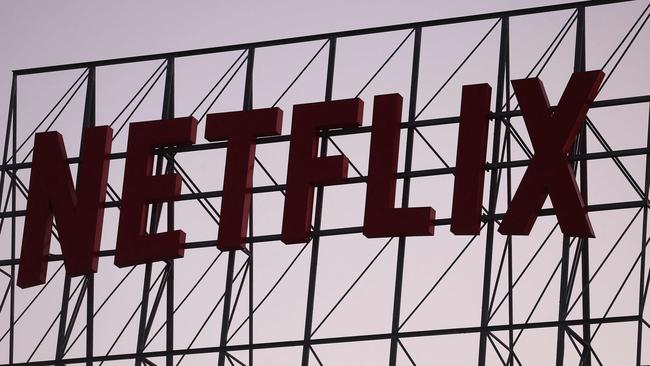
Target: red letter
[[134, 246], [240, 129], [470, 160], [381, 218], [550, 172], [78, 214], [305, 170]]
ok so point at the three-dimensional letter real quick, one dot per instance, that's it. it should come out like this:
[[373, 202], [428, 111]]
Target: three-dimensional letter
[[381, 218], [79, 215], [240, 129], [134, 246], [306, 170], [470, 160], [550, 173]]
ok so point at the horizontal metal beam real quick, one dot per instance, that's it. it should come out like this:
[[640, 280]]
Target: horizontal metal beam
[[400, 175], [342, 132], [355, 229], [316, 37], [345, 339]]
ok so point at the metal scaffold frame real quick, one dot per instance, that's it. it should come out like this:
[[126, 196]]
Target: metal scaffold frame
[[157, 297]]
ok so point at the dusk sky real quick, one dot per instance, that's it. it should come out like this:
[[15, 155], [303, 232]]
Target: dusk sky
[[39, 33]]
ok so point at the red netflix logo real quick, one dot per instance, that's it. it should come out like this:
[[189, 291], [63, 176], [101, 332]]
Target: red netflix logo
[[79, 213]]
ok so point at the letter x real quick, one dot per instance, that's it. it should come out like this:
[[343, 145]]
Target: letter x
[[552, 133]]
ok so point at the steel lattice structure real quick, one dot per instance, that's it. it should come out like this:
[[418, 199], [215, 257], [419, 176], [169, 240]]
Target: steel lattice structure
[[492, 340]]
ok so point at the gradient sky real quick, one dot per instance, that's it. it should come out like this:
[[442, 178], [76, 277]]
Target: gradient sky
[[39, 33]]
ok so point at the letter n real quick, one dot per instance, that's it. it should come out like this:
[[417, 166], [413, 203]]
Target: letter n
[[79, 214]]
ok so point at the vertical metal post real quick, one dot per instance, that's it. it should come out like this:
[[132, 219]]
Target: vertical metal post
[[14, 144], [169, 341], [5, 154], [248, 104], [248, 95], [331, 61], [318, 215], [14, 134], [511, 343], [579, 66], [144, 308], [11, 192], [225, 319], [559, 355], [248, 87], [168, 96], [168, 112], [89, 121], [507, 140], [251, 282], [494, 191], [89, 105], [64, 327], [156, 210], [60, 346], [90, 317], [644, 238], [406, 188]]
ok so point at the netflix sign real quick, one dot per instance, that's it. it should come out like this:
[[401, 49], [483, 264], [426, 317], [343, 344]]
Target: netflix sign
[[79, 210]]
